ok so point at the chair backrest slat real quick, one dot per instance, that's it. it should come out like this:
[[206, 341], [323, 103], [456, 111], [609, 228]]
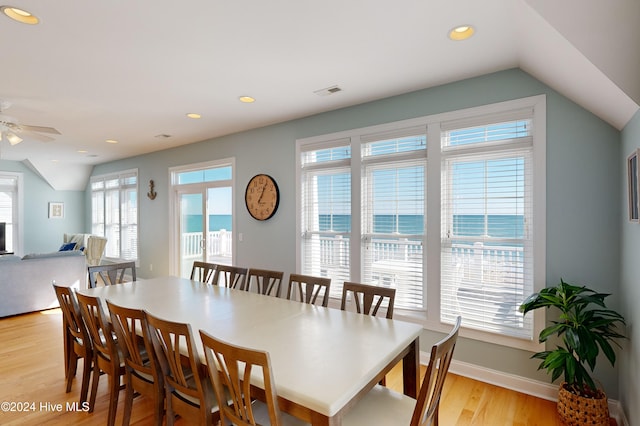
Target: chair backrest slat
[[368, 299], [428, 402], [266, 282], [113, 273], [230, 368], [167, 338], [230, 276], [130, 326], [203, 271], [99, 327], [307, 289], [71, 313]]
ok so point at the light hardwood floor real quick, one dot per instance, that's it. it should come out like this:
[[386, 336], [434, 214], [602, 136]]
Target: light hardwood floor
[[32, 379]]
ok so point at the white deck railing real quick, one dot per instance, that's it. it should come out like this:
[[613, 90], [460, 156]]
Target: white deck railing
[[484, 264], [219, 248]]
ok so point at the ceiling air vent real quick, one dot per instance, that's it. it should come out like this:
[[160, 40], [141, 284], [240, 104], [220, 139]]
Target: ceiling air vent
[[328, 91]]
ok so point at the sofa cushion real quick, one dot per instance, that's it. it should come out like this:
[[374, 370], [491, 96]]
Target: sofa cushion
[[79, 239], [53, 254], [67, 247]]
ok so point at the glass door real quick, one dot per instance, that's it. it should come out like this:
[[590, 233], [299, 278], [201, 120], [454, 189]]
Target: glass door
[[202, 225], [192, 223]]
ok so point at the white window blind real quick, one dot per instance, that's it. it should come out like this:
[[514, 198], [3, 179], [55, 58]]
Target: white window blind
[[326, 212], [114, 204], [393, 202], [8, 208], [487, 225]]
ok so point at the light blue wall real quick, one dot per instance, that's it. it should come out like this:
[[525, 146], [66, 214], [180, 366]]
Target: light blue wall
[[583, 197], [42, 234], [630, 282]]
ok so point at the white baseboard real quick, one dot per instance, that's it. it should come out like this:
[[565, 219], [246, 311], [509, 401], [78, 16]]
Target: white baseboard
[[525, 385]]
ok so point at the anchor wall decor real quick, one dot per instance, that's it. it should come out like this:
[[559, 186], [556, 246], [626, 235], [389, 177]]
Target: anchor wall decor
[[151, 194]]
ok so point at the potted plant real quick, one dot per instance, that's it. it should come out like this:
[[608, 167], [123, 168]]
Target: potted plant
[[585, 326]]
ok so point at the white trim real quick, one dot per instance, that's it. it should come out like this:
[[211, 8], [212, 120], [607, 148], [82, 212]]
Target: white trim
[[536, 388], [111, 175], [174, 188]]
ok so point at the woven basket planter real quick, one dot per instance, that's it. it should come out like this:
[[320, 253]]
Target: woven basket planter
[[576, 410]]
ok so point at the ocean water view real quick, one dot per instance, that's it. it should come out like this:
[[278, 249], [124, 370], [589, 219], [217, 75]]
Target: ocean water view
[[498, 226], [216, 222]]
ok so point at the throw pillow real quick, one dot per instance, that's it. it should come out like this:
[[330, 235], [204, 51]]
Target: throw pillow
[[67, 247]]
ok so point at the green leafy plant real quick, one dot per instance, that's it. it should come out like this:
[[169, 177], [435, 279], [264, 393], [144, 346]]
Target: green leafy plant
[[586, 327]]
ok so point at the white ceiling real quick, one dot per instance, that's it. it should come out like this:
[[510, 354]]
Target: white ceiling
[[131, 70]]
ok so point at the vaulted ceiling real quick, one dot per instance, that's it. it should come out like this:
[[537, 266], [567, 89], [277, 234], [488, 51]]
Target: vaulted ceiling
[[130, 71]]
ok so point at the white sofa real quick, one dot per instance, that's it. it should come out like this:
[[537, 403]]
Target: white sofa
[[25, 284]]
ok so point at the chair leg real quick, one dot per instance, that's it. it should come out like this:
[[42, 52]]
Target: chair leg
[[72, 365], [128, 401], [171, 417], [86, 375], [114, 391], [159, 408], [94, 385]]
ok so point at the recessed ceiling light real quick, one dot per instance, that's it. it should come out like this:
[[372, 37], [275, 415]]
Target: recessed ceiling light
[[246, 99], [19, 15], [461, 32], [111, 141], [82, 151], [194, 115]]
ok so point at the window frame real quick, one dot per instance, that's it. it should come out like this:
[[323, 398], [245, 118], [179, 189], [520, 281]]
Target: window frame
[[432, 246], [112, 176], [17, 242], [175, 188]]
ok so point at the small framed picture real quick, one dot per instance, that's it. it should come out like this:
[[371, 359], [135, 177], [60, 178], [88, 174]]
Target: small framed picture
[[632, 186], [56, 210]]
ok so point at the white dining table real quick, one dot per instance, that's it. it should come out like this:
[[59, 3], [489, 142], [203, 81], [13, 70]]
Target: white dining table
[[323, 359]]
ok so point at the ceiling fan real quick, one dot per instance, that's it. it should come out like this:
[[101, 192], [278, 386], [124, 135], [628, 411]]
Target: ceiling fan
[[11, 129]]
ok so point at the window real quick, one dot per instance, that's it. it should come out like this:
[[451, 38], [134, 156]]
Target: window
[[10, 188], [447, 209], [114, 213], [326, 212], [487, 223], [392, 206]]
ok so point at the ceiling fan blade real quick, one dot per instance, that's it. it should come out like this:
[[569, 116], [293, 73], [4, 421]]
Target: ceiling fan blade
[[40, 129], [35, 136]]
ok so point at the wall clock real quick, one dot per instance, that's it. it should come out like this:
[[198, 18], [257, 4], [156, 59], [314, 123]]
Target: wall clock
[[262, 197]]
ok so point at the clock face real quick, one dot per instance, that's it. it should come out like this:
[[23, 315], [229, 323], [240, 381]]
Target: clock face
[[262, 197]]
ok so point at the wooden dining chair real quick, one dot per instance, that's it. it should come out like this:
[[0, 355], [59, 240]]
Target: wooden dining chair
[[188, 389], [266, 282], [77, 342], [106, 356], [230, 276], [368, 299], [113, 273], [384, 406], [203, 271], [230, 368], [142, 370], [307, 288]]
